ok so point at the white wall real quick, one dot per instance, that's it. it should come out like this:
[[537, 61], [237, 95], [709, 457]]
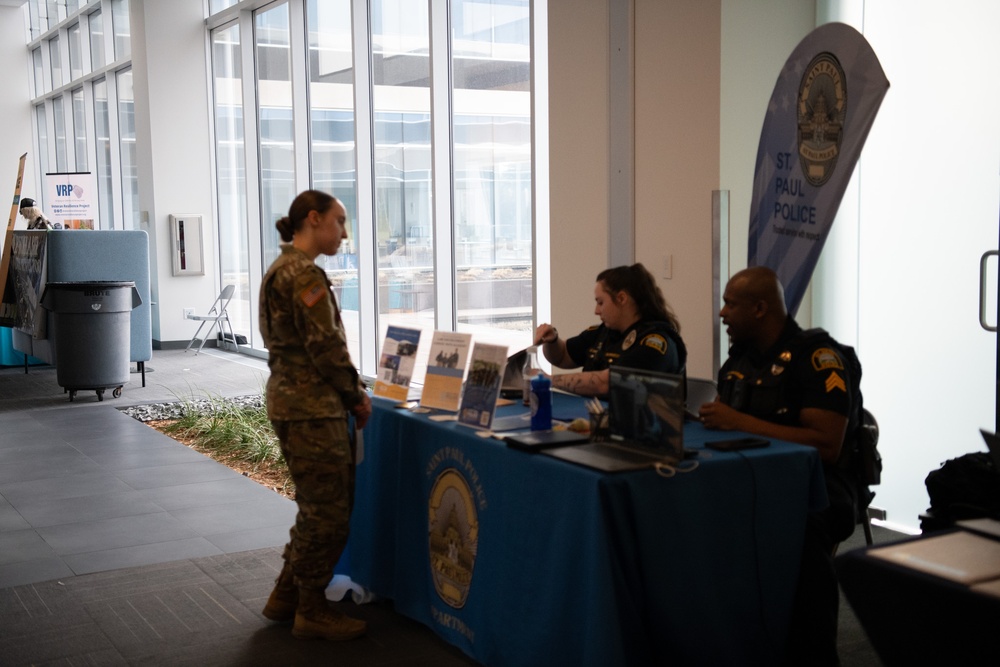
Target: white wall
[[15, 110], [174, 146], [676, 163]]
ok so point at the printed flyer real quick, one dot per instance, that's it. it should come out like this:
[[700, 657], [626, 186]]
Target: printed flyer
[[482, 389], [395, 366], [445, 370]]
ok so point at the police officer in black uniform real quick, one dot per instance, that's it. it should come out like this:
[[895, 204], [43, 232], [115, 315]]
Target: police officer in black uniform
[[783, 383], [638, 330]]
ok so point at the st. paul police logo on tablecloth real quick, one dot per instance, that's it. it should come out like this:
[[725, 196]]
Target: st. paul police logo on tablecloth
[[822, 108], [453, 536]]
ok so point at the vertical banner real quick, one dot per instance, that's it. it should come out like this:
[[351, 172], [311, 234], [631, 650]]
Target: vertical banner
[[8, 300], [822, 107], [71, 200]]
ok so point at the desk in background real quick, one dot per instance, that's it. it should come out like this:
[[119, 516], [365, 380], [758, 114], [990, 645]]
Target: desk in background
[[523, 559], [915, 618]]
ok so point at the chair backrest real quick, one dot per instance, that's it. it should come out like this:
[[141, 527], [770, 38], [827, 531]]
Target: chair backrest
[[222, 302], [699, 391]]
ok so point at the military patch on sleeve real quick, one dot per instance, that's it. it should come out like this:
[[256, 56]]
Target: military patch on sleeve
[[655, 341], [312, 294], [824, 358], [835, 382]]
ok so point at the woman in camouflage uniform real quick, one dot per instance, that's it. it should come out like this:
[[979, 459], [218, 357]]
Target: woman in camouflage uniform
[[312, 387]]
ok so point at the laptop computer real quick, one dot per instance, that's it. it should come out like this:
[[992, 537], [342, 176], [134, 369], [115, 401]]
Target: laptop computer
[[646, 411]]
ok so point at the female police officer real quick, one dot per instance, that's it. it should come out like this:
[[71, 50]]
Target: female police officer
[[312, 386], [638, 330]]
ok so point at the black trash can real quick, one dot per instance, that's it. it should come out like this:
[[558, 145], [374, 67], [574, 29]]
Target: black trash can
[[93, 321]]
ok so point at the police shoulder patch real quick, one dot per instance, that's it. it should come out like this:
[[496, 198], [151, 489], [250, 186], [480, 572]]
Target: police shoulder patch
[[312, 294], [655, 341], [824, 358]]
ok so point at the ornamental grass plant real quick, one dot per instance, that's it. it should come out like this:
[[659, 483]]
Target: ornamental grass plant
[[235, 433]]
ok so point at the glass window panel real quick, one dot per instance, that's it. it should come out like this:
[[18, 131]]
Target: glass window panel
[[492, 165], [55, 63], [120, 25], [218, 5], [231, 181], [96, 23], [126, 130], [75, 53], [103, 146], [79, 131], [35, 22], [404, 228], [55, 12], [59, 134], [36, 62], [331, 127], [43, 143], [274, 100]]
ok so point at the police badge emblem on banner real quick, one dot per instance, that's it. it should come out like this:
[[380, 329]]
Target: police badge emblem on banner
[[823, 105]]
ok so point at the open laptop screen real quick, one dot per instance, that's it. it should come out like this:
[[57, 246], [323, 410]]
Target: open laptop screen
[[646, 409]]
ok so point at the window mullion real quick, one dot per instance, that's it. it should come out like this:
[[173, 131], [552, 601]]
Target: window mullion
[[365, 142], [446, 313], [298, 50]]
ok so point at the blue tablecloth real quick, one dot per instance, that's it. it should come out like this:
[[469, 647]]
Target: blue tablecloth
[[523, 559]]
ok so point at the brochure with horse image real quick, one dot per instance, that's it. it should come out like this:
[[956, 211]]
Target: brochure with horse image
[[482, 388], [646, 412]]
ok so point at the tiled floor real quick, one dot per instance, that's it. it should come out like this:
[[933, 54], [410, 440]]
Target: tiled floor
[[85, 488], [120, 546]]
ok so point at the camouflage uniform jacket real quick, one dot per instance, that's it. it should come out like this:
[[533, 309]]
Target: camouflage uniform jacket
[[312, 375]]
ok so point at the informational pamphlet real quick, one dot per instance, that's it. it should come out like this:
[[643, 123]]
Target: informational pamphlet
[[482, 388], [445, 370], [395, 365]]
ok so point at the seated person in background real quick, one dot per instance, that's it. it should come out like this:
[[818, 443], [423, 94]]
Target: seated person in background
[[33, 214], [638, 330], [782, 384]]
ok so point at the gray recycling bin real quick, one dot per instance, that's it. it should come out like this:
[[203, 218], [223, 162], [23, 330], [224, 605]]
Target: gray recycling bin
[[92, 322]]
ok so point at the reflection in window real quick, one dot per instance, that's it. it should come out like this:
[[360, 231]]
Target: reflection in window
[[122, 30], [231, 177], [96, 24], [126, 131], [79, 131], [59, 134], [43, 141], [401, 102], [492, 163], [75, 53], [331, 128], [102, 142], [36, 62], [55, 12], [274, 111], [216, 6], [55, 63]]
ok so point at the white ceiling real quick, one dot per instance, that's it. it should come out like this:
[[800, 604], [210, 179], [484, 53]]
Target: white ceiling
[[12, 3]]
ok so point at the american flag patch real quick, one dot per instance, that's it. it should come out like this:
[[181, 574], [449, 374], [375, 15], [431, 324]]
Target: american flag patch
[[312, 294]]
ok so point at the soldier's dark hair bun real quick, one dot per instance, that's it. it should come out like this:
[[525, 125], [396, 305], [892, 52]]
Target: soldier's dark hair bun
[[284, 226]]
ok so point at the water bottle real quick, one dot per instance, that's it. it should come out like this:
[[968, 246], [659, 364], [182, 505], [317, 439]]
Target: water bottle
[[528, 372], [541, 403]]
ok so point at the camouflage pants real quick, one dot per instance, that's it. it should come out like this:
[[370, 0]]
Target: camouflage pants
[[321, 463]]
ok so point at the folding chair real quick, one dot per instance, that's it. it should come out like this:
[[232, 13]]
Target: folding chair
[[218, 315]]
